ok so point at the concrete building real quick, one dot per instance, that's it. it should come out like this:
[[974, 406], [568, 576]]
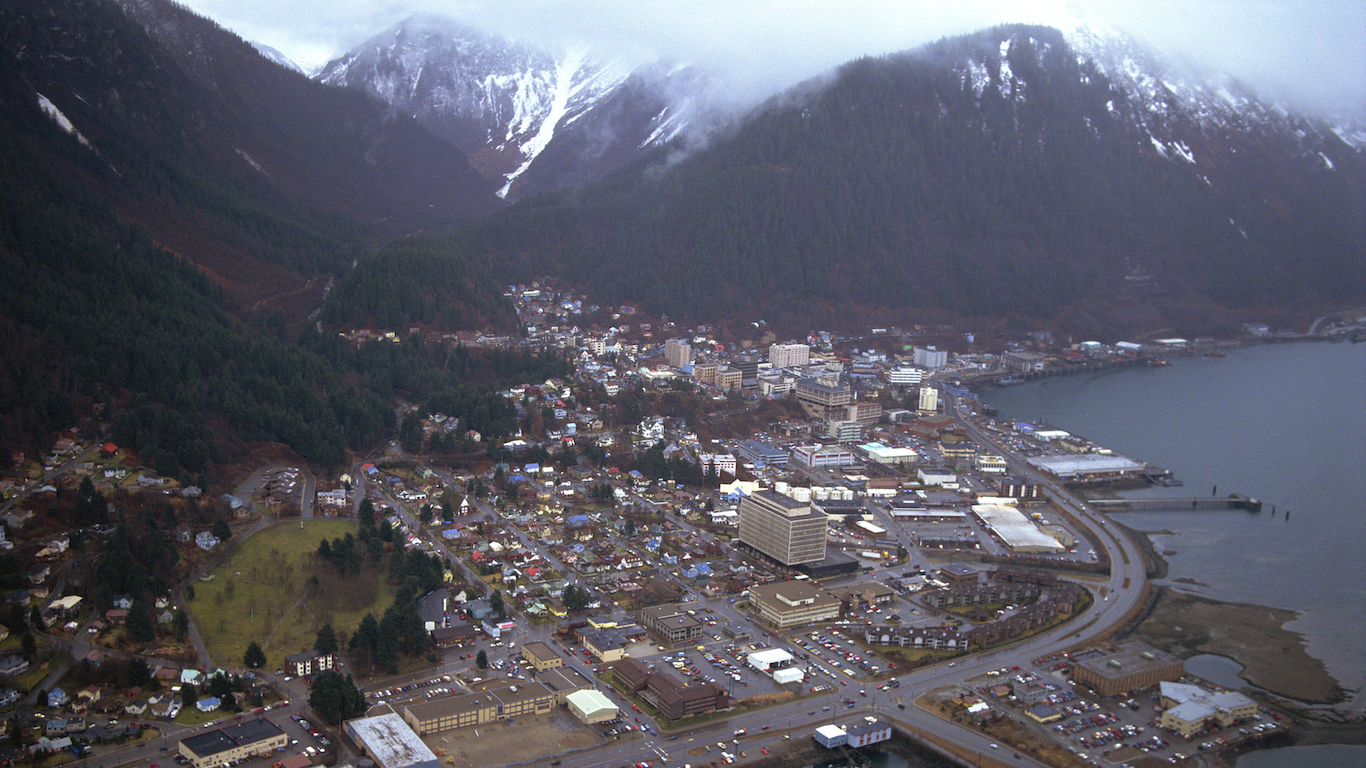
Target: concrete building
[[763, 453], [541, 657], [676, 701], [1187, 709], [844, 431], [786, 604], [783, 528], [563, 681], [1023, 362], [816, 455], [718, 462], [929, 399], [1130, 668], [905, 375], [678, 353], [389, 741], [821, 397], [671, 623], [497, 702], [789, 355], [931, 358], [890, 455], [249, 738]]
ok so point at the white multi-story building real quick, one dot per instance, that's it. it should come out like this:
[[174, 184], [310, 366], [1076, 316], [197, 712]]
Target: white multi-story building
[[931, 358], [788, 355], [823, 456], [904, 375], [929, 399], [722, 462]]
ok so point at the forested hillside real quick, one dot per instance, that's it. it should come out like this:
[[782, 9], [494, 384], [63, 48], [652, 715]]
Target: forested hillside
[[101, 322], [903, 182]]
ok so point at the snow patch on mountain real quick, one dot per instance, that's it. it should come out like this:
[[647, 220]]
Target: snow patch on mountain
[[58, 117]]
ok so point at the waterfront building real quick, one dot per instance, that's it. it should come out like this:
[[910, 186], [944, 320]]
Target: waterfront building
[[1131, 667]]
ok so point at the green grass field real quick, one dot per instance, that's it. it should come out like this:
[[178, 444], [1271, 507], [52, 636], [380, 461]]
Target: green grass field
[[266, 592]]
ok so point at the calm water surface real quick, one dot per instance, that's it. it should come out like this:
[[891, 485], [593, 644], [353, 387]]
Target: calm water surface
[[1284, 423]]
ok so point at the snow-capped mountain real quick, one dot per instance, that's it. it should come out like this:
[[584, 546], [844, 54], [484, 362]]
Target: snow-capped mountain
[[276, 55], [529, 119]]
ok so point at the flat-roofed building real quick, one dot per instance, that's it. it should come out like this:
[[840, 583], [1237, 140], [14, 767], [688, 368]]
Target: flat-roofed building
[[821, 397], [1187, 709], [389, 741], [676, 701], [1023, 362], [816, 455], [671, 623], [563, 681], [1132, 667], [793, 603], [787, 530], [789, 355], [541, 657], [249, 738], [498, 701], [591, 707], [678, 353]]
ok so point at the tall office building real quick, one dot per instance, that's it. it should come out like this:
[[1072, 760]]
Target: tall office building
[[929, 357], [788, 355], [789, 531], [678, 353]]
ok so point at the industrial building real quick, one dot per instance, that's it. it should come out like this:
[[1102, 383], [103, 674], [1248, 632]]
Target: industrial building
[[389, 741], [1087, 466], [1015, 530], [793, 603], [234, 742], [816, 455], [789, 531], [591, 707], [1131, 667]]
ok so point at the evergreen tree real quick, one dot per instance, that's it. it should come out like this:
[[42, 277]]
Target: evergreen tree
[[481, 659], [327, 640], [254, 657], [221, 529], [335, 698], [139, 623], [180, 624], [496, 603]]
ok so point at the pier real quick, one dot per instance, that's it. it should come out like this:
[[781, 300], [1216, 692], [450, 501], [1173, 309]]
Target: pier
[[1232, 501]]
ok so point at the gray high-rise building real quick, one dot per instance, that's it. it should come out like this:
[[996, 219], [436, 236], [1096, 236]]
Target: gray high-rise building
[[789, 531]]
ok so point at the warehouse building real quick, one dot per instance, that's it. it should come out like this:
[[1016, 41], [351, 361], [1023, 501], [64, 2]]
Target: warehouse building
[[1015, 530], [1087, 467], [389, 741], [591, 707]]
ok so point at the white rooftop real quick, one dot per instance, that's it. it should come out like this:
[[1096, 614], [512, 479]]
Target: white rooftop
[[1014, 528], [390, 741], [768, 657], [1085, 463]]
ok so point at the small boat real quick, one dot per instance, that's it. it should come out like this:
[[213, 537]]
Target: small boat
[[1159, 363], [1216, 354]]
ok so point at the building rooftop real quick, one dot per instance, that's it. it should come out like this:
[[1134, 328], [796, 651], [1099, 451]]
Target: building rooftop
[[390, 741]]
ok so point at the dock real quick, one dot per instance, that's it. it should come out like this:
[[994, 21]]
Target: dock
[[1232, 501]]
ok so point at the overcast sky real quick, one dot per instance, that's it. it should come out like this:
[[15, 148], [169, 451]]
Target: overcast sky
[[1311, 52]]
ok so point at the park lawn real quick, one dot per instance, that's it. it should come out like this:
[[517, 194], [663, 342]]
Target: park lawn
[[265, 593]]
